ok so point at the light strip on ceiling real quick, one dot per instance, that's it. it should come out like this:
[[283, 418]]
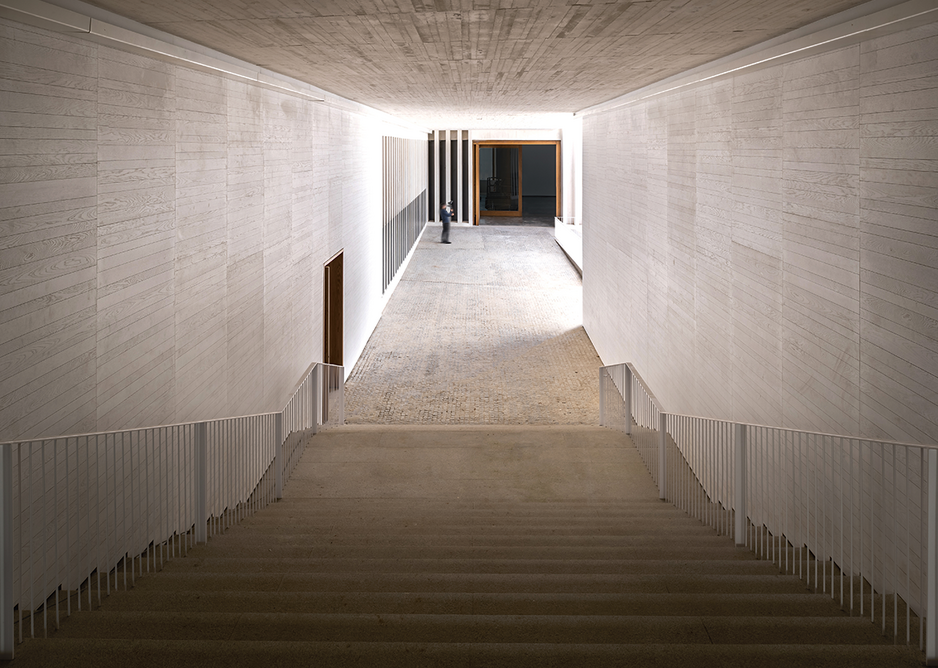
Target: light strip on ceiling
[[908, 14], [44, 15]]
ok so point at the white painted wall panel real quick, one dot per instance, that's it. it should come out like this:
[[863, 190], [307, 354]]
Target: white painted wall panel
[[162, 237], [136, 239], [898, 234], [48, 140], [765, 246]]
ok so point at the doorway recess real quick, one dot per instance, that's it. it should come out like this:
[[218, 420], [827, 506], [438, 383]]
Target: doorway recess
[[498, 172], [332, 294]]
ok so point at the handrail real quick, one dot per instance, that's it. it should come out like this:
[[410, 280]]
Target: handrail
[[841, 511], [641, 381], [176, 424], [111, 505], [118, 432], [758, 425]]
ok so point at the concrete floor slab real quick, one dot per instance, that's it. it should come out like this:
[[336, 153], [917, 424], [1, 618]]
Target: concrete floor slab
[[487, 330], [497, 463]]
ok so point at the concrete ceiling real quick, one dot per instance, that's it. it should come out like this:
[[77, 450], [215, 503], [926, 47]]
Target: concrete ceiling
[[471, 64]]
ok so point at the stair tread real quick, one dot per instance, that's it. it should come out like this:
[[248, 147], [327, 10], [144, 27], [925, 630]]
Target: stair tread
[[466, 540], [473, 628], [287, 580], [391, 558], [252, 562], [657, 604], [459, 538], [159, 653]]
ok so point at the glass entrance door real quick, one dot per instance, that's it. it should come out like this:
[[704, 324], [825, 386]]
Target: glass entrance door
[[500, 180]]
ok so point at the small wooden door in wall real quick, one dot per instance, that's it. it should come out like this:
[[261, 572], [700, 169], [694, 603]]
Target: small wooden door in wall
[[332, 292]]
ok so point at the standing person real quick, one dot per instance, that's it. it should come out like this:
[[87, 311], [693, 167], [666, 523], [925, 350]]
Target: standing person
[[446, 214]]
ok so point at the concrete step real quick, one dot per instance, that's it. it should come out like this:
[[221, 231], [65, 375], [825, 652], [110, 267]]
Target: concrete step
[[475, 628], [457, 535], [623, 525], [474, 508], [445, 521], [520, 530], [468, 603], [211, 653], [642, 561], [662, 549], [465, 540], [286, 580]]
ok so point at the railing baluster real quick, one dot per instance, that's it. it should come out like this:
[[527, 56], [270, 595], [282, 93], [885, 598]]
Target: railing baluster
[[931, 574], [840, 461], [97, 513], [662, 456], [201, 489], [7, 639], [278, 456], [895, 552], [68, 528], [43, 542], [883, 543], [55, 529], [107, 528], [908, 555], [82, 566], [147, 442], [19, 521], [853, 539], [741, 465], [921, 537], [31, 535]]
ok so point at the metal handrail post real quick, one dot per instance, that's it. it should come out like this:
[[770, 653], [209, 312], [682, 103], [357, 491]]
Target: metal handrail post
[[627, 398], [739, 486], [317, 397], [6, 553], [931, 578], [201, 482], [341, 372], [662, 456], [602, 398], [313, 398], [278, 456]]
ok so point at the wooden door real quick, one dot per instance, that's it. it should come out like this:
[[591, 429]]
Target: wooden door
[[332, 330]]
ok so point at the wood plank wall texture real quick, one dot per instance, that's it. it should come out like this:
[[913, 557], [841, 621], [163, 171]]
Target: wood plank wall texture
[[162, 236], [765, 247]]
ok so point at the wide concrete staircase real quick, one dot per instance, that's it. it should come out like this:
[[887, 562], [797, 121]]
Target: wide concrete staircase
[[468, 547]]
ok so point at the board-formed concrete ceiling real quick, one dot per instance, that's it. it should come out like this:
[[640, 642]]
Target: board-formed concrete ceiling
[[482, 63]]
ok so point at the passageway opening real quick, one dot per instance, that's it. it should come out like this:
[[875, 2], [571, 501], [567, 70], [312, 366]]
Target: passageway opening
[[516, 180]]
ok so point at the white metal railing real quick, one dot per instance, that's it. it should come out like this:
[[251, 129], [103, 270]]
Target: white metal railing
[[855, 518], [80, 515]]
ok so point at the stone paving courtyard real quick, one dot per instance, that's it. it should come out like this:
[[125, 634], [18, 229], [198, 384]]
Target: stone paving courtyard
[[487, 330]]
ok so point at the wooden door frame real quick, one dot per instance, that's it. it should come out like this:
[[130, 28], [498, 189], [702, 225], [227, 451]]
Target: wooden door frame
[[333, 309], [478, 143]]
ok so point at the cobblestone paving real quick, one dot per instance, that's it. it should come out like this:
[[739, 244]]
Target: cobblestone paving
[[487, 330]]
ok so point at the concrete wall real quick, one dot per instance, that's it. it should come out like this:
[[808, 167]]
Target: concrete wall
[[764, 246], [162, 236]]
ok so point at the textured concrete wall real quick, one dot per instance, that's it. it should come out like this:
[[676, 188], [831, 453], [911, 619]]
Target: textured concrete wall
[[162, 236], [765, 246]]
